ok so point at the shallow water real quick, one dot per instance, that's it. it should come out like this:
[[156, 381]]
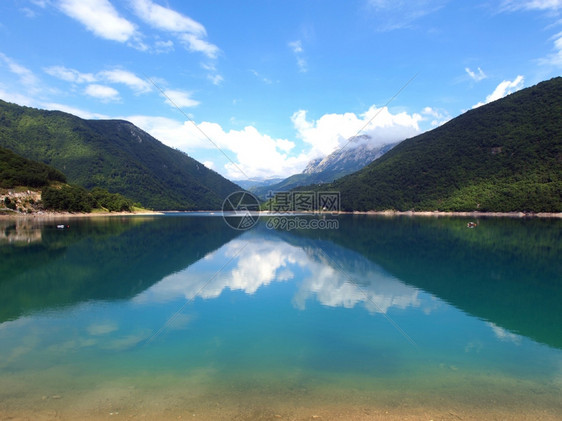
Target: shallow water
[[175, 316]]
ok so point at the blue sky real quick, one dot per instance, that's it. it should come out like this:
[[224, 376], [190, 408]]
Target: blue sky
[[274, 83]]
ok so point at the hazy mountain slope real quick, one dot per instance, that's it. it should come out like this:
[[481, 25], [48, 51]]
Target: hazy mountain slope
[[358, 153], [112, 154], [503, 156]]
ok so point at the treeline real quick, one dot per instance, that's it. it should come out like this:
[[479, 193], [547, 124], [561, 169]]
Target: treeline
[[16, 170], [78, 199]]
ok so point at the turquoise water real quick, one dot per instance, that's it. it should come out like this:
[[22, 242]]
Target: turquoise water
[[175, 315]]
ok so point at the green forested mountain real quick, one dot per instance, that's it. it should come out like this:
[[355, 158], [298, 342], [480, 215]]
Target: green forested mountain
[[503, 156], [114, 155], [16, 170]]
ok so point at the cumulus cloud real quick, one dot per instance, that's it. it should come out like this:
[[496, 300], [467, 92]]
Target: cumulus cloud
[[255, 153], [477, 75], [332, 131], [262, 156], [503, 89], [102, 92], [99, 17]]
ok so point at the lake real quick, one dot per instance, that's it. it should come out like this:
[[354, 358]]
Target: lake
[[182, 317]]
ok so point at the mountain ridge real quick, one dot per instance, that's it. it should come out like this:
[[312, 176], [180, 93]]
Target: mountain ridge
[[357, 152], [114, 155], [503, 156]]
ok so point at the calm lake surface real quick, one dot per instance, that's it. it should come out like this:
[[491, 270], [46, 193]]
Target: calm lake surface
[[183, 317]]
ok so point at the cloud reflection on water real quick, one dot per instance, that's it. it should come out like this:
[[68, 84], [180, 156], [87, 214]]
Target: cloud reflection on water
[[344, 281]]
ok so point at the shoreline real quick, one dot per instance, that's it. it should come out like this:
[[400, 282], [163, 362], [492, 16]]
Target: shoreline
[[388, 213], [62, 215], [475, 214]]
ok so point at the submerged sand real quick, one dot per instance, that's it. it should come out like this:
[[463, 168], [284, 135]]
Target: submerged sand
[[197, 397]]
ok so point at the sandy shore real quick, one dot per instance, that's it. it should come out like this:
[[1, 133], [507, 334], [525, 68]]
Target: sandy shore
[[66, 215], [129, 405]]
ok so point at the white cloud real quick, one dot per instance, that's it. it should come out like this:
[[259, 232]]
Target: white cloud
[[189, 31], [180, 99], [213, 75], [215, 79], [543, 5], [195, 44], [262, 156], [296, 47], [257, 154], [16, 98], [437, 117], [398, 14], [26, 76], [554, 59], [332, 131], [127, 78], [163, 46], [99, 17], [70, 75], [121, 76], [477, 76], [102, 92], [73, 110], [503, 89], [260, 77], [166, 19]]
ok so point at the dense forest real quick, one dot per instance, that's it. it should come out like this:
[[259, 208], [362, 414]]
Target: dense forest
[[23, 173], [18, 171], [504, 156], [114, 155]]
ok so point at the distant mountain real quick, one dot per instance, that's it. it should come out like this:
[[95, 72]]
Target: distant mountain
[[257, 182], [115, 155], [359, 152], [503, 156]]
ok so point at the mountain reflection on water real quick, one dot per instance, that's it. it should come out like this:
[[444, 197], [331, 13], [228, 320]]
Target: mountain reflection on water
[[506, 272]]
